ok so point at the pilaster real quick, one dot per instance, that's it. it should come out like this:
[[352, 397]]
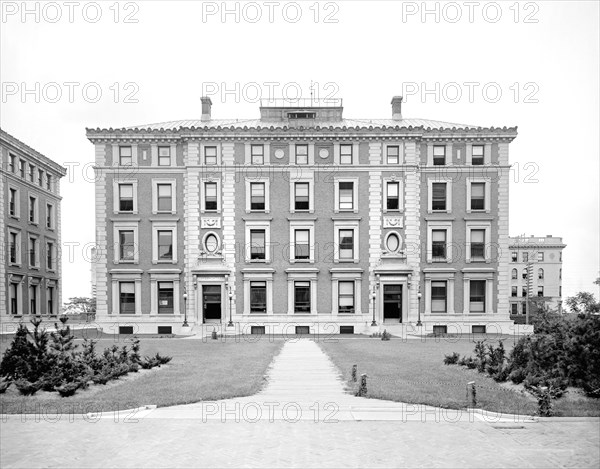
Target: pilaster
[[228, 190], [502, 308], [101, 233], [191, 220], [412, 223], [375, 201]]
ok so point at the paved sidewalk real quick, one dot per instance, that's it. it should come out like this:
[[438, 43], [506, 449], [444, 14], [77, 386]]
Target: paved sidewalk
[[302, 418]]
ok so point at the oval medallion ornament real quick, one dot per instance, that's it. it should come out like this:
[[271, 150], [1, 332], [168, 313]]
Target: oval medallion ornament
[[279, 153], [211, 243], [393, 242], [323, 152]]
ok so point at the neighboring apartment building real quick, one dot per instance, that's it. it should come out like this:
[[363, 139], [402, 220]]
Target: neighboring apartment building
[[535, 272], [29, 233], [300, 221]]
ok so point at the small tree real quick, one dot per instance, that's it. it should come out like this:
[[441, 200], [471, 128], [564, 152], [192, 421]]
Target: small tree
[[80, 304], [583, 303]]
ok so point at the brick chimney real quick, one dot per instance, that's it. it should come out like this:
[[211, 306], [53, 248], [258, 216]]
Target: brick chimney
[[206, 105], [397, 108]]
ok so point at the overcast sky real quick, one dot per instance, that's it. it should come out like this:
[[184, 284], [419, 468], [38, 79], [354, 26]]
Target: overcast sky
[[65, 67]]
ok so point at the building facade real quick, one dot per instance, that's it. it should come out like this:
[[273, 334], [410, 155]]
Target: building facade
[[302, 221], [536, 273], [29, 233]]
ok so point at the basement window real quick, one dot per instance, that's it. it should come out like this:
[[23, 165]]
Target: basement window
[[302, 330], [346, 329], [126, 330], [438, 330], [478, 329], [302, 115], [165, 329], [257, 330]]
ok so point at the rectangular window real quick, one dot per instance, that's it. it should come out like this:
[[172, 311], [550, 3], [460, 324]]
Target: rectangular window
[[50, 299], [33, 254], [345, 154], [438, 296], [514, 308], [540, 291], [346, 245], [33, 210], [346, 196], [258, 297], [33, 299], [478, 196], [540, 257], [22, 168], [126, 245], [210, 155], [302, 297], [126, 297], [49, 181], [40, 178], [301, 201], [525, 274], [438, 196], [210, 196], [165, 297], [126, 197], [438, 245], [257, 244], [12, 202], [14, 298], [13, 245], [49, 216], [257, 196], [393, 196], [164, 156], [125, 156], [439, 155], [345, 297], [165, 245], [301, 154], [477, 296], [258, 154], [513, 256], [477, 155], [12, 166], [524, 292], [560, 256], [525, 257], [393, 155], [31, 173], [164, 197], [301, 244], [513, 291], [50, 256], [477, 245]]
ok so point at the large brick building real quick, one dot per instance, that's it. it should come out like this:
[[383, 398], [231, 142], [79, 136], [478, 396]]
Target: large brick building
[[302, 220], [535, 273], [29, 233]]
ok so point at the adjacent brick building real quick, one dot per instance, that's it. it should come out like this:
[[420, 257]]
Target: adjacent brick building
[[302, 220], [536, 273], [29, 233]]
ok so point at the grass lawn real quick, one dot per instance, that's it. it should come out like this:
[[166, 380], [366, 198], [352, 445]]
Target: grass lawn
[[200, 370], [413, 371]]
